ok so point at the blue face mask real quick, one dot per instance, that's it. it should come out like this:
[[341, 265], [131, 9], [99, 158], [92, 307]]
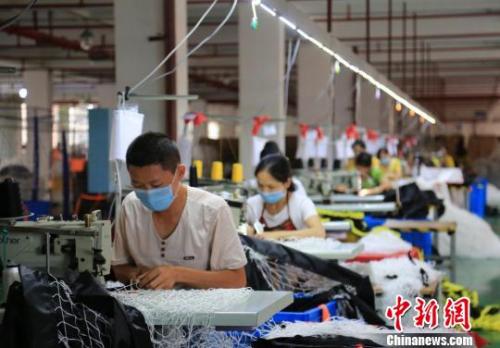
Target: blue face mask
[[385, 161], [272, 197], [157, 199]]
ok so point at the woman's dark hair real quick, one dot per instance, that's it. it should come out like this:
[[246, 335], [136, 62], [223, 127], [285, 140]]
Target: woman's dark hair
[[153, 148], [382, 151], [360, 143], [270, 148], [278, 166], [364, 160]]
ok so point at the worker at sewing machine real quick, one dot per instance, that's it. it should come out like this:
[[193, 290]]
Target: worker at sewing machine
[[279, 211], [389, 166], [169, 234], [271, 148], [359, 147], [372, 180]]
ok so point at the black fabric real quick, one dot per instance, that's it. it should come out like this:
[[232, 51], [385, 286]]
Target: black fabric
[[315, 341], [362, 298], [31, 314], [414, 202]]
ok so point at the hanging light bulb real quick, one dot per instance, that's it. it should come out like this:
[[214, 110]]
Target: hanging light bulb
[[337, 67], [398, 107], [377, 93], [412, 113], [23, 93]]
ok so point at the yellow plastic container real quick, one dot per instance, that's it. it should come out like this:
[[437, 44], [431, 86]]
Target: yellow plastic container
[[237, 173], [217, 171]]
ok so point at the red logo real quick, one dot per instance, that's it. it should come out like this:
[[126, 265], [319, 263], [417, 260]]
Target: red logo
[[454, 313], [398, 311], [457, 313], [426, 313]]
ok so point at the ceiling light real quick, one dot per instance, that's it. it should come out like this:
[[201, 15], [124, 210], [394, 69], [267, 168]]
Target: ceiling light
[[23, 93]]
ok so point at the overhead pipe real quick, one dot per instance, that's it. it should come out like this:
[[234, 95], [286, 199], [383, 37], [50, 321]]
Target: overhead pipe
[[415, 83], [389, 42], [329, 10], [367, 30], [404, 47]]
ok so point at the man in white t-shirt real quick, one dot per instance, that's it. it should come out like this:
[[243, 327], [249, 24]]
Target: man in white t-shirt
[[169, 234]]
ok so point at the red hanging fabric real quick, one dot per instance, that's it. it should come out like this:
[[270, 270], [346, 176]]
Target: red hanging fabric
[[258, 122], [352, 132], [303, 128], [319, 134], [372, 135]]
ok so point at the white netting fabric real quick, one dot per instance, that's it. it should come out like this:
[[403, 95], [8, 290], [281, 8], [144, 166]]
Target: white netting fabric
[[397, 276], [313, 244], [344, 327], [287, 277], [184, 318], [383, 241], [78, 326]]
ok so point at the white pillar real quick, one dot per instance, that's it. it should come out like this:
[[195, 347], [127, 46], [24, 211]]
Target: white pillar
[[136, 56], [315, 90], [343, 99], [39, 104], [181, 74], [106, 95], [261, 83]]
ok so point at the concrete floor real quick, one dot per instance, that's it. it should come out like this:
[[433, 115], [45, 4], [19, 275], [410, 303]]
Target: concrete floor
[[483, 276]]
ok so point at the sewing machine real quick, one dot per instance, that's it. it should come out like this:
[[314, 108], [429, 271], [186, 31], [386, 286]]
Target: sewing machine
[[56, 246], [324, 182]]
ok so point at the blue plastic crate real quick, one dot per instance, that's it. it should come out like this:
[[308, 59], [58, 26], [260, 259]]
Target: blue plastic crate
[[312, 315], [422, 240], [38, 208], [477, 197]]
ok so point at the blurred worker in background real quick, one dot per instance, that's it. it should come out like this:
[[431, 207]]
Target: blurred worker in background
[[278, 211], [359, 147], [389, 166], [372, 179]]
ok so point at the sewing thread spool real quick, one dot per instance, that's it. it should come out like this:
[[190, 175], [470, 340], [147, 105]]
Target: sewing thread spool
[[237, 173], [10, 204], [217, 171], [199, 168], [193, 176]]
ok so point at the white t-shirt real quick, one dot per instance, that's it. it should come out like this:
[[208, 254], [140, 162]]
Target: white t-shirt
[[205, 237], [300, 207], [299, 188]]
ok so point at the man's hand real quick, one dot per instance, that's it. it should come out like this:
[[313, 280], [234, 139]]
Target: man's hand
[[161, 277]]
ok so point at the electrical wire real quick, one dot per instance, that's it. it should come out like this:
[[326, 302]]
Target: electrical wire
[[12, 20], [155, 70], [205, 40]]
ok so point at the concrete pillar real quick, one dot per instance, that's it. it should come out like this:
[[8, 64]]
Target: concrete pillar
[[181, 74], [39, 104], [343, 100], [136, 56], [315, 90], [261, 83], [106, 95]]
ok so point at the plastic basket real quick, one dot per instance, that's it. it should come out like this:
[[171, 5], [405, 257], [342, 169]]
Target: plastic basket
[[314, 315], [477, 197], [422, 240]]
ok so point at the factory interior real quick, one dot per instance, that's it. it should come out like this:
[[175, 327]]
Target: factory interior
[[249, 173]]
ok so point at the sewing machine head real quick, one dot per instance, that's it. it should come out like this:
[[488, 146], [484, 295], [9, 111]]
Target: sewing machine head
[[56, 246]]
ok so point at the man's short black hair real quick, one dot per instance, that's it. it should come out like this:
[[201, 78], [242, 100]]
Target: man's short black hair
[[359, 143], [364, 159], [153, 148]]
